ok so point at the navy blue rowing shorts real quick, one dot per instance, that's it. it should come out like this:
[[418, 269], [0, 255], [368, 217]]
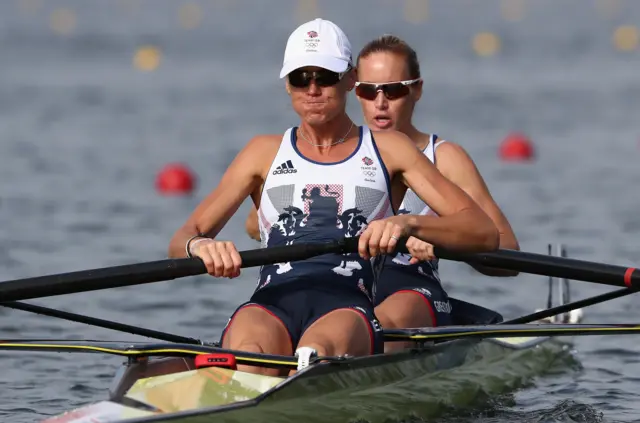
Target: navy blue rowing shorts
[[299, 309]]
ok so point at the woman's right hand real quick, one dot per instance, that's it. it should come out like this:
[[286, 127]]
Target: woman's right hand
[[220, 257], [420, 250]]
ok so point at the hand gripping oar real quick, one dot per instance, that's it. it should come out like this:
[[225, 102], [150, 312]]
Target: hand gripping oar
[[156, 271]]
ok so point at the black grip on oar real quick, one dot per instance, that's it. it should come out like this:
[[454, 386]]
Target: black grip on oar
[[350, 245], [293, 252], [296, 252]]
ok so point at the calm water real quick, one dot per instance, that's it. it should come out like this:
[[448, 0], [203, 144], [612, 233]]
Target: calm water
[[83, 134]]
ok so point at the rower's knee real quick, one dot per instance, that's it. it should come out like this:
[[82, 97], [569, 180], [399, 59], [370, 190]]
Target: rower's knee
[[248, 346], [404, 309], [340, 332], [254, 347]]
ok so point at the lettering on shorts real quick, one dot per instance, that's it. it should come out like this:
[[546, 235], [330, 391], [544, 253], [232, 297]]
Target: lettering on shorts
[[442, 306], [375, 324]]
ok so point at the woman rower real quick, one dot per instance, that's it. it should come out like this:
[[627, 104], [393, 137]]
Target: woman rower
[[409, 292], [308, 186]]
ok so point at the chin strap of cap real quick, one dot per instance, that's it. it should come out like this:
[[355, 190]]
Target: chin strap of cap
[[304, 355]]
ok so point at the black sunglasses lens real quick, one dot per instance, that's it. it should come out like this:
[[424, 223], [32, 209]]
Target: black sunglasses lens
[[299, 79], [394, 91], [326, 78], [323, 78], [366, 91], [391, 91]]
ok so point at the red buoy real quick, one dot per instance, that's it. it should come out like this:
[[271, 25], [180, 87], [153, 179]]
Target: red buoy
[[517, 147], [175, 179]]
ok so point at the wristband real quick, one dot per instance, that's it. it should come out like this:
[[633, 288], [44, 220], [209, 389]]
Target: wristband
[[195, 243], [188, 244]]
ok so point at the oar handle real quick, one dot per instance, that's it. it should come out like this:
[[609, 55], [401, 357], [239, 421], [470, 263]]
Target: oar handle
[[286, 253], [560, 267]]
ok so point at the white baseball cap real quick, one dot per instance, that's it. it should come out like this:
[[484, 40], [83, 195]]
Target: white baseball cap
[[318, 43]]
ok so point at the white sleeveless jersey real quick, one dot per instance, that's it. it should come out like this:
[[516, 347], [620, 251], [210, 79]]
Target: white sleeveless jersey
[[307, 201], [412, 204]]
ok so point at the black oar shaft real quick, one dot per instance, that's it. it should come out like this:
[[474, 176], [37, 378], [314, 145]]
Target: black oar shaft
[[90, 280], [156, 271], [150, 333], [554, 311], [560, 267]]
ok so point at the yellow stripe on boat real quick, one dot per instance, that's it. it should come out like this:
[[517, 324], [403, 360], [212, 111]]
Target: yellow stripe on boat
[[134, 352]]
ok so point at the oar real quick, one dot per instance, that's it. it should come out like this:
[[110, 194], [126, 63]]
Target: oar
[[560, 267], [447, 333], [554, 311], [156, 271], [107, 324]]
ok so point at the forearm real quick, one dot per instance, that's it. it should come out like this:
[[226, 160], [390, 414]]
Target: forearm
[[242, 178], [508, 241], [465, 231], [178, 243], [251, 224]]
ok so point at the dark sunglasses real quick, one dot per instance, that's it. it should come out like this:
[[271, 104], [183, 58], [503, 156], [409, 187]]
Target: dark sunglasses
[[391, 90], [300, 78]]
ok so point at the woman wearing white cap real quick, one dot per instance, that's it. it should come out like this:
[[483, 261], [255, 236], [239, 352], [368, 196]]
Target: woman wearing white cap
[[324, 180]]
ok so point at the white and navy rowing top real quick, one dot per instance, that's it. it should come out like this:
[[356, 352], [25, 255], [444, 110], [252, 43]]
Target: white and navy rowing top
[[307, 201], [412, 204]]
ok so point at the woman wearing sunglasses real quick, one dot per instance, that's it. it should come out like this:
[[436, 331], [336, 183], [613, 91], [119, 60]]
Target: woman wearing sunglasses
[[409, 293], [323, 180]]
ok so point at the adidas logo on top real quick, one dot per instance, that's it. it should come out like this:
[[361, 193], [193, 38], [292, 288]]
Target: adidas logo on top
[[286, 167]]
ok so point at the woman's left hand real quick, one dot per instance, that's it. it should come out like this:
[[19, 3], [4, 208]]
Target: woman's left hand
[[381, 236], [420, 250]]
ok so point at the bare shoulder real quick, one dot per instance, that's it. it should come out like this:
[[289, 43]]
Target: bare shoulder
[[258, 153], [264, 143], [450, 149], [452, 159]]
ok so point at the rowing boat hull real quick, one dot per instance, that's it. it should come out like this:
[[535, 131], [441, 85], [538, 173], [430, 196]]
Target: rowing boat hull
[[375, 388]]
